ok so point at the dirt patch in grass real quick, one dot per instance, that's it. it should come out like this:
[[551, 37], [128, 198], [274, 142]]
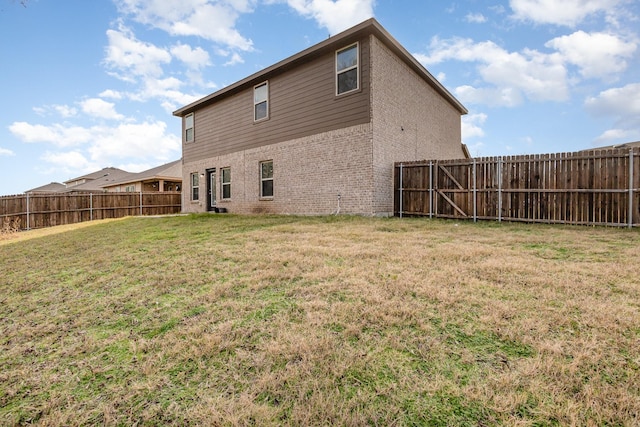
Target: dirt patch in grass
[[225, 320]]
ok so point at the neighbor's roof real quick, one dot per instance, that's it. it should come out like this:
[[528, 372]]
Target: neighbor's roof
[[54, 187], [168, 171], [110, 171], [370, 26], [635, 144], [98, 180]]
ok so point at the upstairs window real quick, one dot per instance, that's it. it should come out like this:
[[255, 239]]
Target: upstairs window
[[226, 182], [347, 69], [261, 101], [266, 179], [188, 128]]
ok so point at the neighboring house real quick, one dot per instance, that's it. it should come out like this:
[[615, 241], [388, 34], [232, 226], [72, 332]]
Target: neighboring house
[[635, 144], [94, 182], [54, 187], [167, 177], [319, 132]]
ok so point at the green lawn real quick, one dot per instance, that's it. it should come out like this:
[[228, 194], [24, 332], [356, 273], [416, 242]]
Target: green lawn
[[281, 320]]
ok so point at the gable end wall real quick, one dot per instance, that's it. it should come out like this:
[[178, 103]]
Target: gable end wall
[[410, 120]]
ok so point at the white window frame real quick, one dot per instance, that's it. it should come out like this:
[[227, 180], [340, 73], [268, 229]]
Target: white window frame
[[224, 183], [257, 102], [347, 69], [189, 136], [263, 180], [194, 182], [130, 188]]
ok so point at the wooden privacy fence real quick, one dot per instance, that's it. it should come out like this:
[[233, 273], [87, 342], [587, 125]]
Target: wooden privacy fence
[[587, 188], [27, 211]]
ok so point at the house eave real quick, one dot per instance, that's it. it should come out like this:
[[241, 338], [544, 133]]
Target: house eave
[[152, 178], [370, 26]]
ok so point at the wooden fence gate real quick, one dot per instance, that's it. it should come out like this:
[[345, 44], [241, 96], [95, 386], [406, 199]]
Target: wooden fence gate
[[594, 187]]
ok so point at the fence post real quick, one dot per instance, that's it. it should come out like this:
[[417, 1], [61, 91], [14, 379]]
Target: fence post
[[430, 189], [28, 223], [475, 201], [90, 206], [630, 213], [500, 189], [140, 202], [401, 195]]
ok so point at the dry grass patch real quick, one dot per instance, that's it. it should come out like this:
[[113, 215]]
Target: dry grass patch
[[10, 231], [224, 320]]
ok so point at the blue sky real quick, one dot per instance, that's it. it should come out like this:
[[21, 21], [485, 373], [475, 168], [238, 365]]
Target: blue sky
[[92, 84]]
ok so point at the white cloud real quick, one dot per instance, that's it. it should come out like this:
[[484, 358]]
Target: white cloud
[[336, 15], [193, 58], [623, 106], [617, 136], [111, 94], [103, 143], [213, 22], [508, 78], [472, 126], [132, 58], [491, 96], [98, 146], [235, 59], [65, 111], [6, 152], [595, 54], [130, 141], [209, 19], [156, 88], [511, 75], [623, 102], [62, 110], [154, 12], [57, 134], [475, 18], [70, 162], [139, 62], [96, 107], [565, 12], [167, 90]]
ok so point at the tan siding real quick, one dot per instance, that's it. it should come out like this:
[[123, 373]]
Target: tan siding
[[302, 102]]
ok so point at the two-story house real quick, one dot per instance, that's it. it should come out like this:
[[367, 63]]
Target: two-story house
[[319, 132]]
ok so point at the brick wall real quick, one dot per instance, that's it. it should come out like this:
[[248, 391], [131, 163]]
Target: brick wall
[[410, 121], [309, 173]]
